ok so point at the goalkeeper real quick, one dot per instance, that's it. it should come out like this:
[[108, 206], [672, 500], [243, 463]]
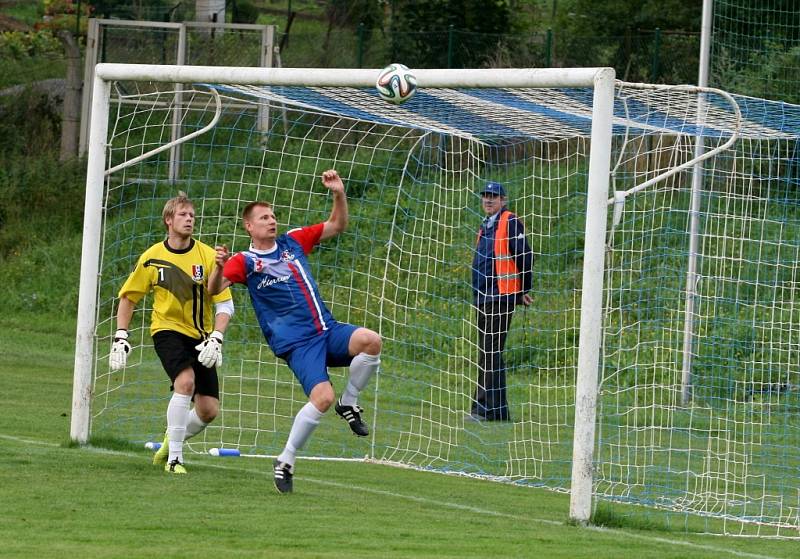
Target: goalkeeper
[[187, 334], [296, 323]]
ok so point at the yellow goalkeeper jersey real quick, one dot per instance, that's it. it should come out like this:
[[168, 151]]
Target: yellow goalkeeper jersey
[[178, 279]]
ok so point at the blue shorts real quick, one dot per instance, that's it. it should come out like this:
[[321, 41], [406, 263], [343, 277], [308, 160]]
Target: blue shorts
[[309, 362]]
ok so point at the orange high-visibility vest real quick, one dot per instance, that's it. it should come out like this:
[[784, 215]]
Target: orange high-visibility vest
[[505, 267]]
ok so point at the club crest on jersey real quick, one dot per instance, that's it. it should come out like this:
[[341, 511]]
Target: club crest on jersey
[[287, 256], [197, 272]]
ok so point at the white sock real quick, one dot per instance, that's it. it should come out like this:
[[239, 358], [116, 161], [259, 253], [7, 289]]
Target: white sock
[[177, 413], [304, 424], [194, 424], [362, 368]]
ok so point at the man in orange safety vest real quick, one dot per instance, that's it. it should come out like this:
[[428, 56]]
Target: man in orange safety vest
[[501, 278]]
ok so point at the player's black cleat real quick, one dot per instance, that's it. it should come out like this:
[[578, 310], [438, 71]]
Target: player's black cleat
[[175, 467], [283, 476], [352, 414]]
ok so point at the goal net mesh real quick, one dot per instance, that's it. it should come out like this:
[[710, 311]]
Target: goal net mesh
[[727, 460]]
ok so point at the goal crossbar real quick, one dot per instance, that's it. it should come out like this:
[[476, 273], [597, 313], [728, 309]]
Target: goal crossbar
[[343, 77]]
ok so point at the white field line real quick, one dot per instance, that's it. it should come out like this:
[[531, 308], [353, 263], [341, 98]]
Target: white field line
[[723, 551]]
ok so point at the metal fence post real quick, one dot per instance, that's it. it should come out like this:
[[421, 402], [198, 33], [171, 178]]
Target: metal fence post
[[360, 52], [656, 56], [266, 61], [177, 111], [92, 39], [450, 41]]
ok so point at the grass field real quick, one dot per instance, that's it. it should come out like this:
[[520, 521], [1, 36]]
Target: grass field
[[65, 501]]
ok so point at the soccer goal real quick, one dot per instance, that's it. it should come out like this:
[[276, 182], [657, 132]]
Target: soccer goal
[[657, 363]]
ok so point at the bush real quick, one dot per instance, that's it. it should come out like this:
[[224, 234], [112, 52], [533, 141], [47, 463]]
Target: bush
[[41, 199], [40, 196], [31, 123], [19, 45], [244, 12], [41, 213], [770, 72]]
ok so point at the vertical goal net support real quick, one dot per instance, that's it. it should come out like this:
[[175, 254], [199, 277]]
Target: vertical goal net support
[[593, 367]]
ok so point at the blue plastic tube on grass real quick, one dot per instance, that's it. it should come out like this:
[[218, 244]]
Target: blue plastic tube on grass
[[223, 452]]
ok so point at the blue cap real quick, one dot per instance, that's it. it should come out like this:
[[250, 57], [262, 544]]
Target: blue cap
[[494, 188]]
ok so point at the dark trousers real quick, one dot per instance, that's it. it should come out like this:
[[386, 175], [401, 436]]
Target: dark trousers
[[494, 320]]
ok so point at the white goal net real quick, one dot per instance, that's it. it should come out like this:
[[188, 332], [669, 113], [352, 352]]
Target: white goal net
[[697, 381]]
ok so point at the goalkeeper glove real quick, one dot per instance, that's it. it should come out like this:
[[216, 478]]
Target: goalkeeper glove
[[210, 350], [119, 350]]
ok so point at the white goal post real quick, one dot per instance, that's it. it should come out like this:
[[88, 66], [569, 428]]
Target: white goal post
[[600, 79]]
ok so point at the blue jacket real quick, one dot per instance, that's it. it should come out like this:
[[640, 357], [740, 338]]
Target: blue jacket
[[484, 285]]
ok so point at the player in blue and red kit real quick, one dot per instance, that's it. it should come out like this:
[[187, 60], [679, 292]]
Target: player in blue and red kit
[[296, 323]]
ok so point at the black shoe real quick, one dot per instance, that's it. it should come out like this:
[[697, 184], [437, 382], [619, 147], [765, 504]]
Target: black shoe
[[283, 476], [175, 467], [475, 417], [352, 414]]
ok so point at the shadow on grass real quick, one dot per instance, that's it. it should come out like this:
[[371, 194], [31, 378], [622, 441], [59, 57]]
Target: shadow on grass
[[606, 516], [108, 443]]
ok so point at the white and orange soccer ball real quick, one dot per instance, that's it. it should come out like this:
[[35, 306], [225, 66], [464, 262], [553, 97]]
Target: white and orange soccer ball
[[396, 83]]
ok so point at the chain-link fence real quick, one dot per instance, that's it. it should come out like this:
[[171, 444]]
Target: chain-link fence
[[653, 57], [647, 56], [756, 48], [204, 46]]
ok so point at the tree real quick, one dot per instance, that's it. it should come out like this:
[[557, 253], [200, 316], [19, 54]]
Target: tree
[[612, 18], [244, 12], [622, 34], [462, 32], [351, 13]]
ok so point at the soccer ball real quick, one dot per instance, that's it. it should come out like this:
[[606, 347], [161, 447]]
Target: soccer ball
[[396, 83]]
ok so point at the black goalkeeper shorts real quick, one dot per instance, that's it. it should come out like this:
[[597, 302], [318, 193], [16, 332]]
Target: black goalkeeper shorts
[[177, 352]]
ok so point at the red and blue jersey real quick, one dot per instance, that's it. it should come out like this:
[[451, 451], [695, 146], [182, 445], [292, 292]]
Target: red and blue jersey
[[285, 296]]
